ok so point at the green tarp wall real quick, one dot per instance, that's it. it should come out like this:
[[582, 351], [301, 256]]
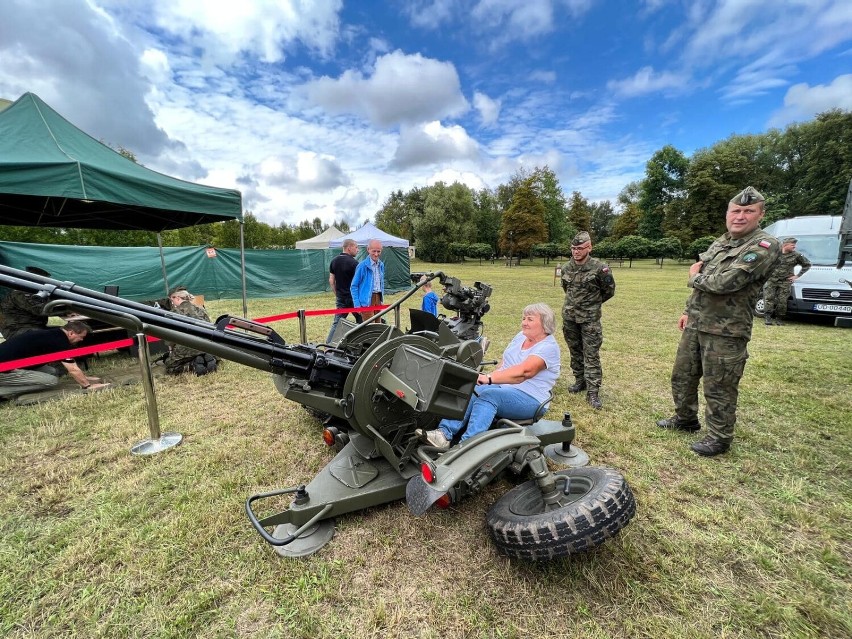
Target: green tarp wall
[[138, 274]]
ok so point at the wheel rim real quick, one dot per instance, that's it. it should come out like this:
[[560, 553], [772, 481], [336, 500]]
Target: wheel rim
[[529, 502]]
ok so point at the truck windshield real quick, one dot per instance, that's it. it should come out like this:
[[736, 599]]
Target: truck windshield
[[819, 249]]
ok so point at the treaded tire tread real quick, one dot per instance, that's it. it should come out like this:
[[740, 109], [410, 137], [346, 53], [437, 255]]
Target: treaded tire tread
[[585, 523]]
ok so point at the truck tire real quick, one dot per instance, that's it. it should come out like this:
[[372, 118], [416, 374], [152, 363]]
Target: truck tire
[[601, 504]]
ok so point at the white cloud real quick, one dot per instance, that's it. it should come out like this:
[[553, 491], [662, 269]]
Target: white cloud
[[522, 19], [769, 37], [307, 171], [803, 101], [52, 51], [449, 176], [432, 142], [265, 28], [430, 14], [403, 89], [489, 110], [646, 80]]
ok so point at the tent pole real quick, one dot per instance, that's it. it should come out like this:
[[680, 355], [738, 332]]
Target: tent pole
[[163, 263], [243, 266]]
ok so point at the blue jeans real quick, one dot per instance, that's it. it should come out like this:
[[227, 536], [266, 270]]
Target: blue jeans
[[342, 301], [490, 402]]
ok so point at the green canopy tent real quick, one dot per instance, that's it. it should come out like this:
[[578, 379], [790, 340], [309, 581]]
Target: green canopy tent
[[53, 174]]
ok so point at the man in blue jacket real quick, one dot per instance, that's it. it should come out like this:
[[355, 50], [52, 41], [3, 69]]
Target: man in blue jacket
[[368, 283]]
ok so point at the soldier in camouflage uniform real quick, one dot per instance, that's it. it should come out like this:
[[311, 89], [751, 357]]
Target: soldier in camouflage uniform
[[183, 359], [716, 324], [21, 312], [587, 283], [777, 288]]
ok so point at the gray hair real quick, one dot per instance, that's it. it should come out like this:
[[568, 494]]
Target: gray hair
[[348, 243], [548, 317]]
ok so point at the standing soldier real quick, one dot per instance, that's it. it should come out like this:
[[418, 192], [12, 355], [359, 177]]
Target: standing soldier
[[716, 324], [587, 283], [777, 288]]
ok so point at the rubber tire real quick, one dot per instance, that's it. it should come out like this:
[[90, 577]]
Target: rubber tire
[[759, 306], [603, 504]]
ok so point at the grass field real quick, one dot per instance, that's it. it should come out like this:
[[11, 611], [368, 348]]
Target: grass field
[[95, 542]]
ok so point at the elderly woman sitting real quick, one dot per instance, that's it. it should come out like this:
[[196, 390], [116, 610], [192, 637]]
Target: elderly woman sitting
[[524, 378]]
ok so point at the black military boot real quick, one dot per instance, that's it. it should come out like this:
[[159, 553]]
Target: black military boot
[[710, 447], [594, 400], [676, 423], [767, 319], [778, 322], [578, 386]]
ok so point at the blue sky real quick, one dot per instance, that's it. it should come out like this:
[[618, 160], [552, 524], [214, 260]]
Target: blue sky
[[321, 108]]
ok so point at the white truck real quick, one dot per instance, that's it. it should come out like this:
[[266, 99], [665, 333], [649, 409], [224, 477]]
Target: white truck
[[826, 289]]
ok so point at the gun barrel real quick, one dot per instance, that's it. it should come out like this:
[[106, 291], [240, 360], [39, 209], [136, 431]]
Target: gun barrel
[[269, 354]]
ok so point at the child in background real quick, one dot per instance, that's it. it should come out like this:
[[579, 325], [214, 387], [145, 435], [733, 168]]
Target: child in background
[[430, 300]]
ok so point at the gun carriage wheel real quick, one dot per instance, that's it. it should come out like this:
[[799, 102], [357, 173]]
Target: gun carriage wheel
[[596, 504]]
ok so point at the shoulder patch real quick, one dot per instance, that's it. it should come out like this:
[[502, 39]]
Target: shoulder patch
[[764, 244], [750, 257], [605, 269]]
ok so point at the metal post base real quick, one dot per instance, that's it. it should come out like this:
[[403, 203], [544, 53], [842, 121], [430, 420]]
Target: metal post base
[[314, 538], [567, 455], [151, 446]]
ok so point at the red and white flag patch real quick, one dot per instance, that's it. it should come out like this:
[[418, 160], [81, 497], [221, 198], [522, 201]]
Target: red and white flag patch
[[764, 244]]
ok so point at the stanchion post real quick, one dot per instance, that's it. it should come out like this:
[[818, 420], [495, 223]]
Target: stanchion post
[[303, 327], [158, 441]]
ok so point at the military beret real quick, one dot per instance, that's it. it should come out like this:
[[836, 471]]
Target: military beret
[[749, 195], [789, 240], [35, 270], [581, 238]]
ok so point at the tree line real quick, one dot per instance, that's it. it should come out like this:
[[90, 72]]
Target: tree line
[[675, 211], [672, 212]]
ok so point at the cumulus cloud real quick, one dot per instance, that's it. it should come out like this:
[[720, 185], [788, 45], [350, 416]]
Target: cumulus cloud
[[306, 172], [432, 142], [803, 101], [489, 110], [403, 89], [645, 81]]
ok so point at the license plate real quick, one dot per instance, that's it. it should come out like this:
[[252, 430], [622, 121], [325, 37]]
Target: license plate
[[833, 308]]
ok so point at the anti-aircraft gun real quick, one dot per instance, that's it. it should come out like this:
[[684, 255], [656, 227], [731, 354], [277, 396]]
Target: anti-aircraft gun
[[385, 384], [471, 303]]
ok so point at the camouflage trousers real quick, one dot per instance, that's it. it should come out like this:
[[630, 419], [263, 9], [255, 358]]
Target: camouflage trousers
[[775, 296], [584, 343], [720, 360]]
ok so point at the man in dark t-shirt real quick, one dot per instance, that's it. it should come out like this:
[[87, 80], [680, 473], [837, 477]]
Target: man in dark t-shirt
[[43, 342], [341, 270]]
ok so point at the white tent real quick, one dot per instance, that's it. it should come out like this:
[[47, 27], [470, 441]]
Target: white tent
[[322, 240], [365, 234]]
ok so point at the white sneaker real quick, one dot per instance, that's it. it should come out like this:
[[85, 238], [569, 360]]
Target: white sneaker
[[434, 438]]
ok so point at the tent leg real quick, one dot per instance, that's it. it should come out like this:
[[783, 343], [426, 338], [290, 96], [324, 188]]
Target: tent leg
[[159, 441], [303, 326], [243, 266], [163, 264]]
